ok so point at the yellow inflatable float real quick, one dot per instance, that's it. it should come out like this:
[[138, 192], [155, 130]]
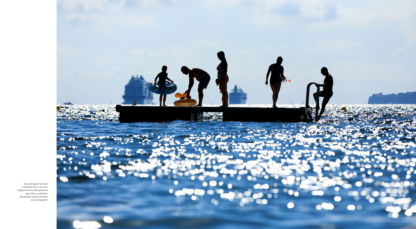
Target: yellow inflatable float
[[183, 101]]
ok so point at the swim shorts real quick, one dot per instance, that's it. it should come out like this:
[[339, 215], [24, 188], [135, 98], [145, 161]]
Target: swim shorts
[[204, 81], [274, 80]]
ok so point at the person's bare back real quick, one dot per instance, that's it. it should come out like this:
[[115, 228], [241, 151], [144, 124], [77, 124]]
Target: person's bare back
[[197, 73], [200, 75]]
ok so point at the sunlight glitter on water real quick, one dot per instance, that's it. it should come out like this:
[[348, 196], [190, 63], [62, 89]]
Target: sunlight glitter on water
[[361, 159]]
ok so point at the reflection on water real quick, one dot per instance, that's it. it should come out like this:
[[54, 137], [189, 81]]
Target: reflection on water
[[354, 168]]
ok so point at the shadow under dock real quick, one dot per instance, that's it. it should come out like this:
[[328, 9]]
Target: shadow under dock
[[131, 113]]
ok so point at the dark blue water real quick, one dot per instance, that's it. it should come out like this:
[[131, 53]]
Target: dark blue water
[[352, 169]]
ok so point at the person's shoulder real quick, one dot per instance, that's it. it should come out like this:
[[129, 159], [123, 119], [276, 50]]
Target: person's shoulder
[[191, 71]]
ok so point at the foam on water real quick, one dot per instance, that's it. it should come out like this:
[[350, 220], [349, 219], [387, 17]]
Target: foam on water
[[354, 168]]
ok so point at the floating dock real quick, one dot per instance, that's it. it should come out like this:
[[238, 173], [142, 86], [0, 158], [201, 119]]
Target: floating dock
[[132, 113]]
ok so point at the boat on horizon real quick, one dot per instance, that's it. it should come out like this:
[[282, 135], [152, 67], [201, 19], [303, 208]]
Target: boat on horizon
[[238, 96]]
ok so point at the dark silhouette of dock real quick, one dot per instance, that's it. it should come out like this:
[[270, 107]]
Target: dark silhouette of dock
[[134, 113], [130, 113]]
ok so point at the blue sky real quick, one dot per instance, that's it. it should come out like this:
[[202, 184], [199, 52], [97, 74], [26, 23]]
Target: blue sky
[[368, 46]]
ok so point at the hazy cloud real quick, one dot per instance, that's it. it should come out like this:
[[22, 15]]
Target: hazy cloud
[[398, 51], [116, 19], [333, 46], [88, 6], [107, 48], [336, 13], [411, 38], [272, 12]]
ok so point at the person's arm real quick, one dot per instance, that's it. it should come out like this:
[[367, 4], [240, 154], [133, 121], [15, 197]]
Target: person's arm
[[267, 75], [156, 79], [169, 79], [282, 77], [191, 84]]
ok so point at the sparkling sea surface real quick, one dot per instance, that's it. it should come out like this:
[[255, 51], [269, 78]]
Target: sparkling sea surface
[[353, 169]]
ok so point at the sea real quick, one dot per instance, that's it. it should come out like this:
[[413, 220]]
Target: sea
[[355, 168]]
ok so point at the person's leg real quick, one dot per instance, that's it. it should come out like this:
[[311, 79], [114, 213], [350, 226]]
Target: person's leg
[[272, 86], [277, 90], [200, 96], [223, 89], [203, 84], [324, 102], [164, 100], [315, 96], [160, 100]]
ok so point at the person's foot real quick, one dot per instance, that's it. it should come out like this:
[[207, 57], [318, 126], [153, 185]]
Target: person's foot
[[223, 106], [164, 105], [199, 105], [317, 107], [274, 106], [317, 118]]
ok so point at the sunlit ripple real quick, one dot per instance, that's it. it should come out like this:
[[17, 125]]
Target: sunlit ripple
[[358, 160]]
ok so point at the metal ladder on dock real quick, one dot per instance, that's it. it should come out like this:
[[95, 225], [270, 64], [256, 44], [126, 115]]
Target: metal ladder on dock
[[308, 109]]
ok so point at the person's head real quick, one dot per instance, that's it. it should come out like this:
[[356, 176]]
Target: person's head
[[324, 71], [164, 68], [221, 55], [279, 60], [185, 70]]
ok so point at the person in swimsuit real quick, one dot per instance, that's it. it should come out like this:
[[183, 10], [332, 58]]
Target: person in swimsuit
[[222, 79], [326, 93], [200, 75], [163, 76], [276, 78]]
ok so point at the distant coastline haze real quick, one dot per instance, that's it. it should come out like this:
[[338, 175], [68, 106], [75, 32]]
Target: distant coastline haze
[[399, 98]]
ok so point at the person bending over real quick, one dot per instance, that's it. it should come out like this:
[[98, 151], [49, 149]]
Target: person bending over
[[326, 93], [201, 76], [276, 78]]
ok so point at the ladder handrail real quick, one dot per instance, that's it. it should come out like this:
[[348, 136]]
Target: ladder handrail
[[307, 96]]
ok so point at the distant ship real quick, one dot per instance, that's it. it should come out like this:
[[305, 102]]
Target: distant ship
[[68, 103], [137, 90], [400, 98], [238, 96]]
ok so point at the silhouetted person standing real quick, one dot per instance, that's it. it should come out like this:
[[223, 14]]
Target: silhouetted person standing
[[200, 75], [276, 78], [163, 76], [223, 78], [326, 93]]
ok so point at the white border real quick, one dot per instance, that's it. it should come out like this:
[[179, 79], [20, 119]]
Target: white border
[[28, 110]]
